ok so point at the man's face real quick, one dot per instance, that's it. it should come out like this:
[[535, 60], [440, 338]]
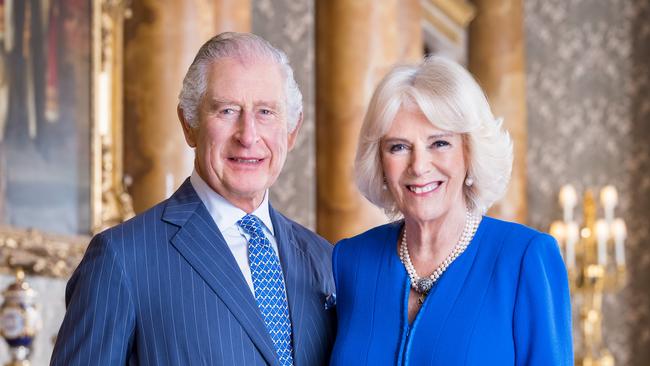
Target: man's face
[[241, 139]]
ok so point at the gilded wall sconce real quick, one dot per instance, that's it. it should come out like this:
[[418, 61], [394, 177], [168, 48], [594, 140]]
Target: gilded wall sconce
[[594, 253]]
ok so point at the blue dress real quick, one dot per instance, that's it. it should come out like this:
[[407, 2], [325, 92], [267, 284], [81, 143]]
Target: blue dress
[[504, 301]]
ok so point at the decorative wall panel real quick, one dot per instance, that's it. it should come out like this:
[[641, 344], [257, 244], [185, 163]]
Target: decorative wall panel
[[289, 25], [589, 125]]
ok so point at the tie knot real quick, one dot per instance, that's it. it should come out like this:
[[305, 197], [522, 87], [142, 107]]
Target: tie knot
[[251, 224]]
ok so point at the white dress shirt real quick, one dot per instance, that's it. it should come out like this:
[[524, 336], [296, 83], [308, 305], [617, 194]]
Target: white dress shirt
[[226, 215]]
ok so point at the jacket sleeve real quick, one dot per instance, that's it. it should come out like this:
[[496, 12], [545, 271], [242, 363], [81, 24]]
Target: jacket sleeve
[[99, 323], [542, 316]]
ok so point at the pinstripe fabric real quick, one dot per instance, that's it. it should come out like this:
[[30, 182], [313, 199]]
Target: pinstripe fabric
[[164, 289]]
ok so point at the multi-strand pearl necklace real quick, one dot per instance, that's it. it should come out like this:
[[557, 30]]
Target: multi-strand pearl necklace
[[423, 285]]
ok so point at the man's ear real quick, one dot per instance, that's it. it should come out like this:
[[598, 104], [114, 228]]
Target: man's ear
[[188, 131], [293, 135]]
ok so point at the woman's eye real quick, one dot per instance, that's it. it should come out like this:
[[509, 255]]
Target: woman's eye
[[441, 143], [266, 112], [397, 148], [228, 111]]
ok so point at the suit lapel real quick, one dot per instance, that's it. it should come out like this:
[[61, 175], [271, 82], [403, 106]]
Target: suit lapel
[[295, 269], [202, 245]]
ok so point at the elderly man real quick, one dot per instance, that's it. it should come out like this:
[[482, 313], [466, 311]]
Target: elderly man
[[213, 275]]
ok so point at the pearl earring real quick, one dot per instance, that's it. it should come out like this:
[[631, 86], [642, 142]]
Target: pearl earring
[[469, 181]]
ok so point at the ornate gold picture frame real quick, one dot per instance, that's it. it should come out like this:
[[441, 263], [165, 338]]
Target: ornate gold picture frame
[[51, 254]]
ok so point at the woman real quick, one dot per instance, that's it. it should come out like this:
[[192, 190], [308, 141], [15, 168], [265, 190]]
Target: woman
[[445, 285]]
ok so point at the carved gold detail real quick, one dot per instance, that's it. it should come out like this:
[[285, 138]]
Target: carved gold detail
[[459, 11], [39, 253], [110, 204], [444, 25], [448, 18]]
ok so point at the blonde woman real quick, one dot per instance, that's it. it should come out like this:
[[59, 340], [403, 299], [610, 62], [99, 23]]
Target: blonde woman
[[444, 285]]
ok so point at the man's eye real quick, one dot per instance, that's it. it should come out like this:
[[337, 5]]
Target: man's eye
[[266, 112], [228, 111]]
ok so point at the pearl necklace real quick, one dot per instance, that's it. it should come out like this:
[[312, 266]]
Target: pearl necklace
[[423, 285]]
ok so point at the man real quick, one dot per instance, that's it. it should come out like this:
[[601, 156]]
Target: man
[[196, 280]]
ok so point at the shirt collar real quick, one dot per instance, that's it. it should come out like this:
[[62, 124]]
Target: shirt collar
[[224, 213]]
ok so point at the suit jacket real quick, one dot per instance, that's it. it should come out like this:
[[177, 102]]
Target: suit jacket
[[164, 289], [504, 301]]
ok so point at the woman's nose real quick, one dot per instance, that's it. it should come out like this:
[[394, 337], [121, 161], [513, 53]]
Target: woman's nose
[[420, 163]]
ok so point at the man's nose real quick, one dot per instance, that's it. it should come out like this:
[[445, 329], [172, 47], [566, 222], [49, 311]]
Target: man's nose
[[247, 132]]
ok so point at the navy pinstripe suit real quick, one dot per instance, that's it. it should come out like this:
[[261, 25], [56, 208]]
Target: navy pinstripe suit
[[164, 289]]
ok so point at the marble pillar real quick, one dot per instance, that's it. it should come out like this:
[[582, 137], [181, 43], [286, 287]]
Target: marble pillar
[[409, 27], [497, 60], [161, 39], [356, 44]]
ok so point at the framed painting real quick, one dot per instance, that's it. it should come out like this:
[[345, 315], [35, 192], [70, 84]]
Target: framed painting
[[60, 130]]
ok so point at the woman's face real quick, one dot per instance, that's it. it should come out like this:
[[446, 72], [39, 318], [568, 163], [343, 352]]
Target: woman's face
[[424, 166]]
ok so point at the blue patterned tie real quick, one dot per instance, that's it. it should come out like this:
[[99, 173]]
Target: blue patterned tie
[[269, 287]]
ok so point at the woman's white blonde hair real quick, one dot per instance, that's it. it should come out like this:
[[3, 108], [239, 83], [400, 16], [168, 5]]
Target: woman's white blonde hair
[[451, 100]]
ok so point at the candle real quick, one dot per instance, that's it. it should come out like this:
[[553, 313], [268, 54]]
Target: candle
[[609, 199], [619, 232], [568, 200], [572, 235], [602, 232]]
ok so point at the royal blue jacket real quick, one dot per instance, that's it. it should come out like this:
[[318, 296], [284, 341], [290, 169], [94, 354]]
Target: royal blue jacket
[[504, 301]]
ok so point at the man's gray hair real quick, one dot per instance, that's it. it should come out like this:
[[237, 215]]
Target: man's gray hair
[[242, 46]]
